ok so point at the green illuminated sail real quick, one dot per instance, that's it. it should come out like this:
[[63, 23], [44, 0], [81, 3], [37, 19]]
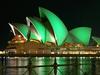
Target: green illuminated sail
[[43, 31], [39, 28], [97, 39], [81, 35], [70, 39], [60, 31], [23, 29]]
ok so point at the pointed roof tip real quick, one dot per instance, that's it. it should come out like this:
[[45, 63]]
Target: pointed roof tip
[[40, 7], [26, 18], [96, 39], [93, 37], [12, 28], [28, 21], [44, 9], [9, 23]]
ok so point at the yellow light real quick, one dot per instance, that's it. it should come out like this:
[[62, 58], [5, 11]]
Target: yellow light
[[19, 36], [2, 52], [97, 45]]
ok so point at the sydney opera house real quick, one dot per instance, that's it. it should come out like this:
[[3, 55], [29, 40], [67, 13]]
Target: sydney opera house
[[49, 29], [49, 35]]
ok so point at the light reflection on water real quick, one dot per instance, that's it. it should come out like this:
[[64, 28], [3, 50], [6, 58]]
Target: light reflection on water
[[66, 66]]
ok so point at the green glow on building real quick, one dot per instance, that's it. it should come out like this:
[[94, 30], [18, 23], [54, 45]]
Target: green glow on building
[[70, 39], [82, 34], [49, 37], [23, 29], [58, 26], [97, 39], [39, 27], [44, 33]]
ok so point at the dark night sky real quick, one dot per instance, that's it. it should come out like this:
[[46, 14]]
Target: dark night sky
[[73, 13]]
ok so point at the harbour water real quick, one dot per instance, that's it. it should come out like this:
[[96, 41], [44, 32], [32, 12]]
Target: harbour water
[[50, 66]]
